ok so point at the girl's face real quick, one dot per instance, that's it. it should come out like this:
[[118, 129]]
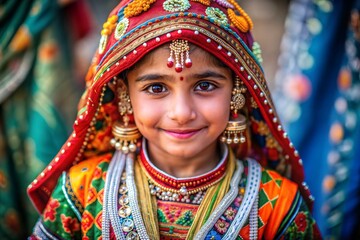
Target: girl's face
[[180, 114]]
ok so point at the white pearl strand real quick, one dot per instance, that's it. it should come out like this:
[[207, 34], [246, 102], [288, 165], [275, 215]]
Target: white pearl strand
[[133, 199], [175, 197], [224, 203], [247, 207], [107, 205]]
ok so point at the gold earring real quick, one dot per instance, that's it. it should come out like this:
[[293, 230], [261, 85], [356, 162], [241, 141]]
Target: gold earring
[[125, 133], [234, 131]]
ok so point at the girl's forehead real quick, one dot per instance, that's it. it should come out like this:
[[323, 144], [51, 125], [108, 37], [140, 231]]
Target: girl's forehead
[[162, 53]]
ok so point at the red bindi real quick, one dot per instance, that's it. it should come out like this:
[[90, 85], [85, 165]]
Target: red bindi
[[181, 78]]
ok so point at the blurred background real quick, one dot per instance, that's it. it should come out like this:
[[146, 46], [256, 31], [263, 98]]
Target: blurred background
[[310, 51]]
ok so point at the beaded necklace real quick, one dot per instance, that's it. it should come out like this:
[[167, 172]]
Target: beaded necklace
[[188, 190]]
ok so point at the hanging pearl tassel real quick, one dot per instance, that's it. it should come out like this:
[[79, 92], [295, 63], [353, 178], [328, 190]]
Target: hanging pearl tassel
[[125, 137], [125, 133], [180, 50], [234, 129]]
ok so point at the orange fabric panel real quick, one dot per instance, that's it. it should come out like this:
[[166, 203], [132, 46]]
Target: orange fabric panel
[[82, 174], [288, 192]]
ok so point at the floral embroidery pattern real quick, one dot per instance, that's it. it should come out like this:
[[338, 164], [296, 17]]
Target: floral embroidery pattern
[[221, 226], [50, 210], [92, 195], [69, 224], [216, 15], [301, 222], [87, 221], [176, 5], [230, 213]]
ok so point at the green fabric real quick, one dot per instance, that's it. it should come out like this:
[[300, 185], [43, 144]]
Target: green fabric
[[60, 216], [36, 89], [300, 226]]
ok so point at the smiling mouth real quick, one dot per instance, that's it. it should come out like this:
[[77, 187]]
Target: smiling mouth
[[182, 134]]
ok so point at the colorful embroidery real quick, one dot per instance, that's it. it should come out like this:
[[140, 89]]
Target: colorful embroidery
[[121, 28], [73, 200], [243, 22], [175, 218], [136, 7], [216, 15], [108, 27], [221, 226], [300, 225], [176, 5], [87, 221], [224, 221], [301, 222], [257, 51], [205, 2], [50, 210], [69, 224]]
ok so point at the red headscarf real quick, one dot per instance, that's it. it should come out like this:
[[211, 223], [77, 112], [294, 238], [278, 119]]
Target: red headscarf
[[135, 28]]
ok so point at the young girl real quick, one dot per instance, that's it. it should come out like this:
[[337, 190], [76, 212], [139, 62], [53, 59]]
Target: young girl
[[175, 135]]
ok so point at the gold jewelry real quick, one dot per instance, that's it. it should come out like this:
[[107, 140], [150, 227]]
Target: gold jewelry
[[125, 133], [237, 99], [179, 48], [234, 131], [237, 125]]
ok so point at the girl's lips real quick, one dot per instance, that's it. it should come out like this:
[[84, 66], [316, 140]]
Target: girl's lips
[[182, 134]]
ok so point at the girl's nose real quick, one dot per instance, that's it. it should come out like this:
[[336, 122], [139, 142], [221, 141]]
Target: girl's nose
[[181, 108]]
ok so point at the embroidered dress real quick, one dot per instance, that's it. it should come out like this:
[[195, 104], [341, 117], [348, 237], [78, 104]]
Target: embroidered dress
[[76, 206], [102, 184]]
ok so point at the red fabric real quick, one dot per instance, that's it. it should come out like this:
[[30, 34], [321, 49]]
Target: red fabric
[[40, 190]]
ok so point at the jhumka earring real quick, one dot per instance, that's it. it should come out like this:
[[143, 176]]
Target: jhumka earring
[[180, 50], [234, 131], [126, 133]]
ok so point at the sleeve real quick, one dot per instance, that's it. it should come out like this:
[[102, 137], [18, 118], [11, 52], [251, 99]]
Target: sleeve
[[61, 218], [298, 223]]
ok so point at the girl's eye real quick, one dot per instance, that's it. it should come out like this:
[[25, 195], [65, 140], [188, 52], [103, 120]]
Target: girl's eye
[[205, 86], [156, 88]]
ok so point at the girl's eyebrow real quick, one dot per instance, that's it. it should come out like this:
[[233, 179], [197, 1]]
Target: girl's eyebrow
[[152, 76], [164, 77], [207, 74]]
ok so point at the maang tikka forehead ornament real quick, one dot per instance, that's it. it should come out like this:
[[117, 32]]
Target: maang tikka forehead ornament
[[220, 27], [180, 50]]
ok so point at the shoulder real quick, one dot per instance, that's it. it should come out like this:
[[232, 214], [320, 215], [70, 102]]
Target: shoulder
[[271, 182], [87, 167], [84, 176], [277, 197]]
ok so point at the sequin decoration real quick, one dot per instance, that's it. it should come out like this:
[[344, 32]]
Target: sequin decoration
[[121, 28], [176, 5], [216, 15]]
